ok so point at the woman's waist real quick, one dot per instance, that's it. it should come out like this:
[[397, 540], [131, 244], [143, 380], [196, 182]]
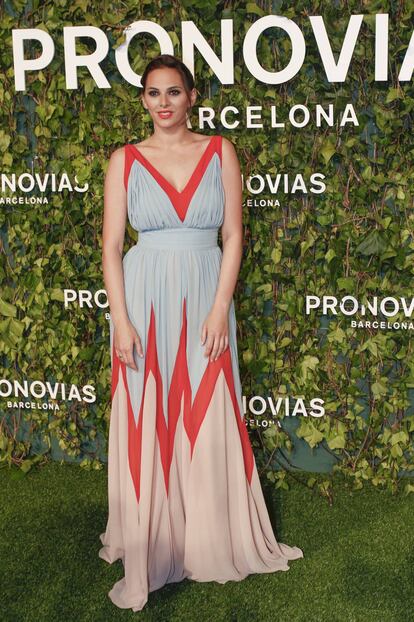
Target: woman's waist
[[179, 238]]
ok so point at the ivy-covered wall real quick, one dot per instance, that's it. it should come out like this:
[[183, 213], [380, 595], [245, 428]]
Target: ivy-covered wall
[[353, 239]]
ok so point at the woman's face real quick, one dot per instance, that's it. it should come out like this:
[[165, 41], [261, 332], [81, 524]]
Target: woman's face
[[165, 91]]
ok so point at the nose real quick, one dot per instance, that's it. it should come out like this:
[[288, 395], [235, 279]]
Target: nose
[[163, 99]]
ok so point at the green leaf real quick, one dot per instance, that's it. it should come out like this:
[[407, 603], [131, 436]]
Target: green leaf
[[309, 433], [328, 149], [378, 389], [330, 255], [373, 244], [4, 141], [338, 442], [392, 95], [276, 254], [251, 7], [346, 283], [7, 309], [308, 364]]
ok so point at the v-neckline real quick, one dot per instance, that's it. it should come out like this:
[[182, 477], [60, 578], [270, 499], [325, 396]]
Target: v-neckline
[[178, 193]]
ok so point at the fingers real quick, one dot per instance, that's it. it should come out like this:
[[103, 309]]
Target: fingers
[[125, 355], [215, 346], [209, 345], [138, 346]]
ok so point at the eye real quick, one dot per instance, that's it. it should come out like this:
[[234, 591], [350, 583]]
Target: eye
[[154, 93]]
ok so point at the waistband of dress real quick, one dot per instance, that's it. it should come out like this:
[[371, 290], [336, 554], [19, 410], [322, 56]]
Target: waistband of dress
[[178, 238]]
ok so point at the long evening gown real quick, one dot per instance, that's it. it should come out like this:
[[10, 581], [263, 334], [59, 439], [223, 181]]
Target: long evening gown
[[184, 495]]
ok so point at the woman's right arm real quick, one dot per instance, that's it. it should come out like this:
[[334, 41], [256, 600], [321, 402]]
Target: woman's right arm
[[113, 234]]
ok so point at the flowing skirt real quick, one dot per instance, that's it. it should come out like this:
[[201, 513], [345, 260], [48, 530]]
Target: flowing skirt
[[185, 499]]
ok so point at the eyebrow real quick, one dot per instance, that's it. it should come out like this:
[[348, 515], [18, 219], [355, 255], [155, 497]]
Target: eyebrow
[[175, 86]]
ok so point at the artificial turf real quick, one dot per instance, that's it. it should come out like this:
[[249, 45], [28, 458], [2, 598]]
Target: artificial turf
[[358, 563]]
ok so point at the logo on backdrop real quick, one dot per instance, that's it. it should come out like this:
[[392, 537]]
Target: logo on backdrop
[[85, 298], [348, 306], [35, 188], [194, 44], [281, 183], [265, 412], [38, 395]]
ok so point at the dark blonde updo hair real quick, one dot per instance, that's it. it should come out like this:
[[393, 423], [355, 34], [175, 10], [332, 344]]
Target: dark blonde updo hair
[[172, 62]]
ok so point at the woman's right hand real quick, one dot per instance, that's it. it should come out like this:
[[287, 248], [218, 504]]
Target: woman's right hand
[[125, 336]]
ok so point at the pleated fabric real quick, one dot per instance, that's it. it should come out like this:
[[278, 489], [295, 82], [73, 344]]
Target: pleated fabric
[[184, 496]]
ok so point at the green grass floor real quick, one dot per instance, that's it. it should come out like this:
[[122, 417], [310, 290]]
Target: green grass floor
[[358, 558]]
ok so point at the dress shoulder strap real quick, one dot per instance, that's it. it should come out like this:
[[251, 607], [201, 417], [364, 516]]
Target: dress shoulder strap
[[219, 141], [128, 160]]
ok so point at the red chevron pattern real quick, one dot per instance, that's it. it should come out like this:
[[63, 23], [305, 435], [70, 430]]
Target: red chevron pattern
[[180, 388], [179, 199]]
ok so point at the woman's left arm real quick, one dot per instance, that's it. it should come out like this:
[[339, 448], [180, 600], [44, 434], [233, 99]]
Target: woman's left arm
[[215, 327]]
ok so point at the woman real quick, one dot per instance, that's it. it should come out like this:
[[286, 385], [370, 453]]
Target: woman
[[184, 494]]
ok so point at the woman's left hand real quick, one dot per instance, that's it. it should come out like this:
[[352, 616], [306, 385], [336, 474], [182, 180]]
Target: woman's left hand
[[216, 329]]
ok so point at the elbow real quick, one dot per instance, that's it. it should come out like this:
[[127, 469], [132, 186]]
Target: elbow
[[111, 250], [234, 239]]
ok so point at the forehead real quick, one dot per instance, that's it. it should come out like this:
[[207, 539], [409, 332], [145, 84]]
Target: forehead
[[165, 77]]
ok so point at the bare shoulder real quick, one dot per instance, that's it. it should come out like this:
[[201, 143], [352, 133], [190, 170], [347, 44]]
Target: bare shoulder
[[228, 148], [117, 155], [115, 166]]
